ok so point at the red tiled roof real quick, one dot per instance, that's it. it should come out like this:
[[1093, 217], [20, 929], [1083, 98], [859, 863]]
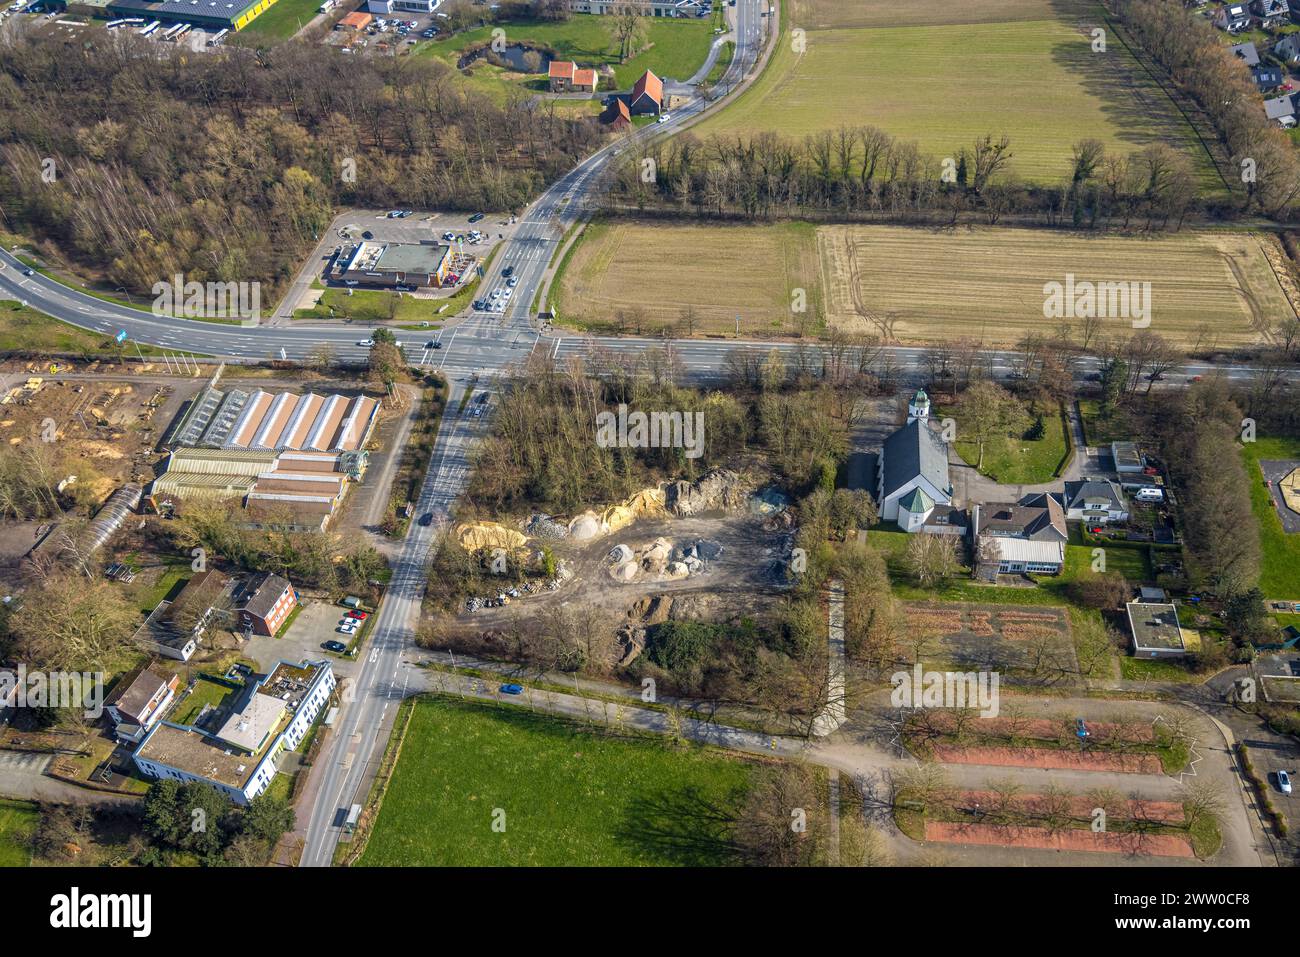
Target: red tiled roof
[[584, 78], [651, 85], [563, 69], [617, 113]]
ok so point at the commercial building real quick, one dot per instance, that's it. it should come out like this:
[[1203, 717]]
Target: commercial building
[[410, 265], [235, 750], [206, 14], [403, 6]]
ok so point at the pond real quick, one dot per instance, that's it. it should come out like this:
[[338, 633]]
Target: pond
[[514, 57]]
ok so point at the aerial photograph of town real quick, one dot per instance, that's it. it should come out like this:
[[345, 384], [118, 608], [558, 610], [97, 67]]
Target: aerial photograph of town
[[774, 435]]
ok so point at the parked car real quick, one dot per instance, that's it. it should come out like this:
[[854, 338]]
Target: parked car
[[512, 689], [358, 614], [367, 235], [346, 629], [335, 646], [478, 217], [1284, 782]]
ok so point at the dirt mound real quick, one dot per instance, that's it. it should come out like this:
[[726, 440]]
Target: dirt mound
[[719, 489], [543, 526]]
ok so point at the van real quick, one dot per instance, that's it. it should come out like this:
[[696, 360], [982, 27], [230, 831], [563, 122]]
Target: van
[[1150, 495]]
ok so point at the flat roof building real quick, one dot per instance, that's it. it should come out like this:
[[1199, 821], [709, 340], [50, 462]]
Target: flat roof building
[[272, 716], [418, 265], [208, 14], [1156, 633]]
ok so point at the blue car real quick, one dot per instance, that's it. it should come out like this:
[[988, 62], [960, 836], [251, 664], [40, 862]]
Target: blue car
[[512, 689]]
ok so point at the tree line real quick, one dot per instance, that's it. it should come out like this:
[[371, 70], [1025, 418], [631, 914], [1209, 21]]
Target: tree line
[[865, 171], [139, 163]]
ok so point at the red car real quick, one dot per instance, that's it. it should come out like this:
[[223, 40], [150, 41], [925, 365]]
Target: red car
[[358, 615]]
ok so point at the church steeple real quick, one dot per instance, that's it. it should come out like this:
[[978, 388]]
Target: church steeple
[[918, 407]]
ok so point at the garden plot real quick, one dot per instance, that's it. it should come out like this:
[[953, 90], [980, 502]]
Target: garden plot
[[991, 637]]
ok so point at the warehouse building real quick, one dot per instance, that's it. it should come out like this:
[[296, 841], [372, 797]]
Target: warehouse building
[[237, 419], [296, 491], [205, 14]]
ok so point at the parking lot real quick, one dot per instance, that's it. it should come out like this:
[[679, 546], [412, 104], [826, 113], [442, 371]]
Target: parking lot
[[316, 624]]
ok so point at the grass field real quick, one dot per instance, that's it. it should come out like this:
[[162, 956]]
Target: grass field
[[944, 74], [1017, 461], [1280, 569], [571, 797], [18, 821], [722, 271], [23, 328], [371, 305], [674, 48], [919, 285], [281, 21]]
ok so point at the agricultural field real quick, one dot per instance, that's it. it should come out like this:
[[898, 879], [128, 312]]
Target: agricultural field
[[673, 48], [571, 796], [911, 285], [944, 74], [721, 271]]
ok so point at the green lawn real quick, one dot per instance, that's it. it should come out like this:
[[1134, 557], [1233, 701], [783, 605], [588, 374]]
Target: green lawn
[[206, 691], [674, 48], [570, 796], [18, 820], [1099, 430], [23, 329], [1280, 570], [281, 21], [1017, 461], [372, 305]]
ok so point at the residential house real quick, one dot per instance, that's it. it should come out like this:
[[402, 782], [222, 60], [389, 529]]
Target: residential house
[[647, 95], [1267, 78], [1281, 109], [1026, 537], [561, 75], [264, 602], [238, 759], [1271, 13], [138, 701], [1095, 500], [1155, 630], [1288, 48], [1247, 53], [1233, 17]]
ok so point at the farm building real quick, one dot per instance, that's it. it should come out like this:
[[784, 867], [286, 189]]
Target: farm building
[[567, 77], [206, 14], [616, 116], [647, 95]]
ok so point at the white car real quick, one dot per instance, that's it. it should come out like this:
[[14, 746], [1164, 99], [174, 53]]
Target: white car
[[366, 343], [664, 117]]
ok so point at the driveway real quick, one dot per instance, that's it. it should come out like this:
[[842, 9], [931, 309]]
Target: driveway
[[316, 623]]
